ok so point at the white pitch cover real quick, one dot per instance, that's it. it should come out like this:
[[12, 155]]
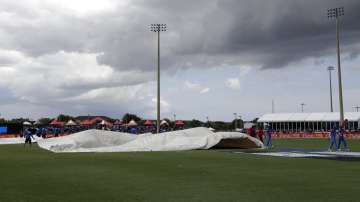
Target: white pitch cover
[[108, 141]]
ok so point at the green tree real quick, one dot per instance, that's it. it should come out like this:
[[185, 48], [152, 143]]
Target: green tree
[[19, 120], [44, 121], [193, 123], [222, 126], [239, 123], [2, 120], [128, 117], [64, 118]]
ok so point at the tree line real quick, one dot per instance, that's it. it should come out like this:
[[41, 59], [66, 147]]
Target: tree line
[[217, 125]]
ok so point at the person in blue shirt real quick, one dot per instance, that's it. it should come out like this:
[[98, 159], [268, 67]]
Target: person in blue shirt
[[43, 132], [38, 131], [28, 136], [268, 143], [56, 132], [341, 134], [133, 131], [332, 139]]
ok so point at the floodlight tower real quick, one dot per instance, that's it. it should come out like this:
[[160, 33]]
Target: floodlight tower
[[158, 28], [357, 108], [331, 68], [302, 107], [336, 13]]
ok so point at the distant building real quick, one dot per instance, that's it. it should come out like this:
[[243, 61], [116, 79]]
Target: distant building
[[300, 122]]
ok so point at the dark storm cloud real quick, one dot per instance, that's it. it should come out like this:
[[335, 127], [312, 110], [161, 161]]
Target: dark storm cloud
[[201, 33], [286, 31], [270, 34]]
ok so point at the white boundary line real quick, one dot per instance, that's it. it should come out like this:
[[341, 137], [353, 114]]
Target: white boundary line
[[310, 154]]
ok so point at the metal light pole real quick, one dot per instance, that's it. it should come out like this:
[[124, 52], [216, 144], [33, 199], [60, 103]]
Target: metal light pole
[[158, 28], [336, 13], [357, 108], [330, 68], [235, 121], [302, 107]]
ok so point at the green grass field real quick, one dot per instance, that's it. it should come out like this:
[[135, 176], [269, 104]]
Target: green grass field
[[215, 175]]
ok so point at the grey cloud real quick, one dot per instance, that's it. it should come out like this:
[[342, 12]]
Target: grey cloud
[[202, 34], [268, 34], [284, 32]]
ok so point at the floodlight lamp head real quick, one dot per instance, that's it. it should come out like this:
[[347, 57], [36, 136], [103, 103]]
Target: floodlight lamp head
[[158, 27], [331, 68], [336, 12], [341, 11]]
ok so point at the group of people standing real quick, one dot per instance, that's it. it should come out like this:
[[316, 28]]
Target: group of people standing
[[336, 145], [263, 135], [337, 137]]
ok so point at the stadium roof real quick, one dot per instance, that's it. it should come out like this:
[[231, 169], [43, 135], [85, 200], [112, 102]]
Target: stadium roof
[[308, 117]]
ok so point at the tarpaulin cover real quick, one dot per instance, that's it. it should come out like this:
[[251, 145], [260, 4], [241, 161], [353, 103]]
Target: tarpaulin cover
[[108, 141]]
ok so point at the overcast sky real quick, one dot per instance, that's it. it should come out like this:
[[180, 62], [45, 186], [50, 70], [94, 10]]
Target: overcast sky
[[98, 57]]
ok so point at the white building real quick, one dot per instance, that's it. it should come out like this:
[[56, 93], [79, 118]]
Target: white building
[[309, 121]]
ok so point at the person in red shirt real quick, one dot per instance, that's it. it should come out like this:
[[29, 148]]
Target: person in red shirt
[[250, 131], [260, 134]]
